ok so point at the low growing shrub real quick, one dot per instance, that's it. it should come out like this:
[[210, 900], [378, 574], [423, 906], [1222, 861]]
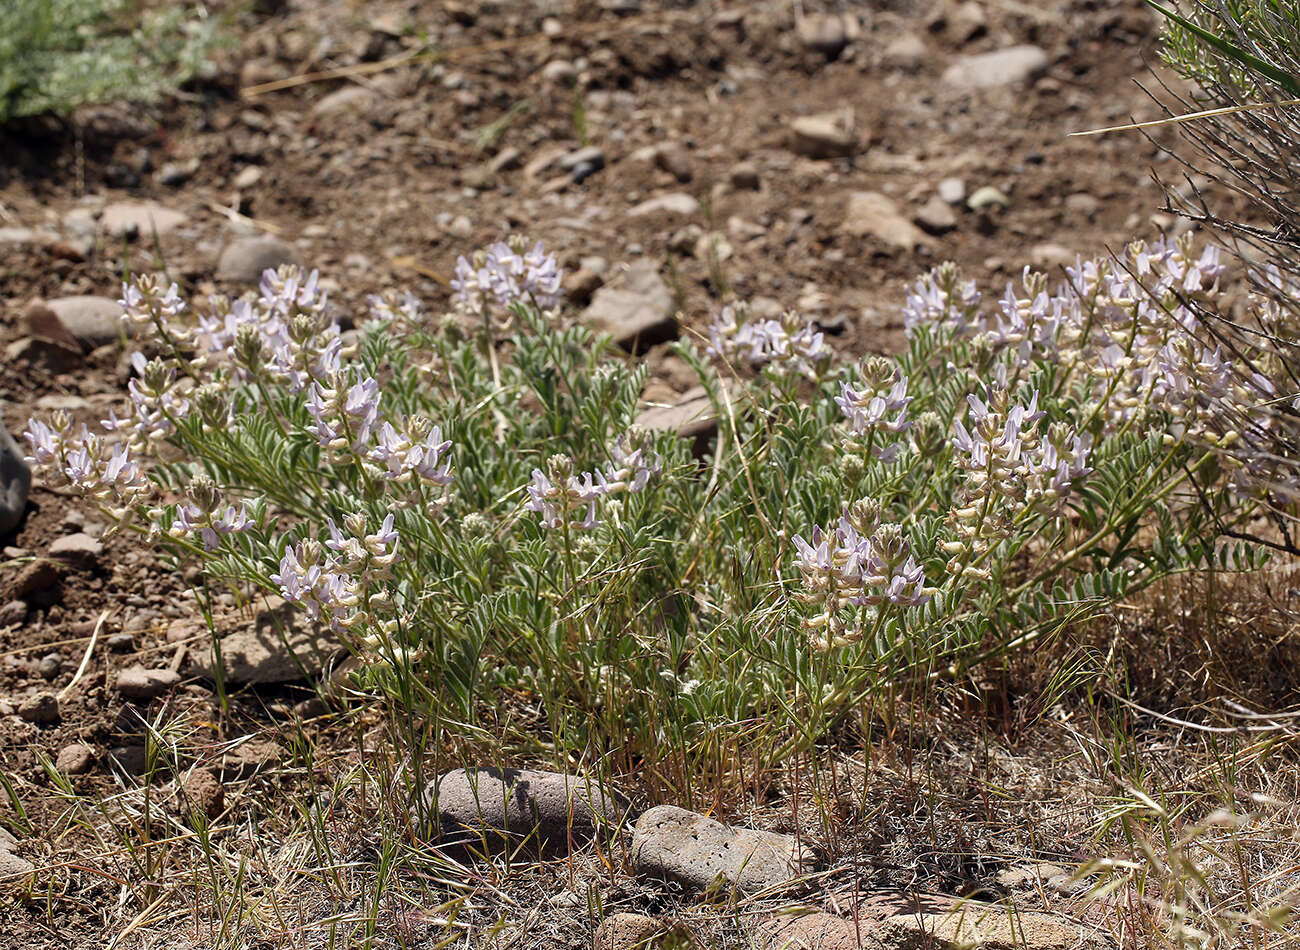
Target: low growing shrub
[[56, 55], [468, 501]]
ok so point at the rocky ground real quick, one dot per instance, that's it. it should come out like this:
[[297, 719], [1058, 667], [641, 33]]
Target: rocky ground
[[676, 155]]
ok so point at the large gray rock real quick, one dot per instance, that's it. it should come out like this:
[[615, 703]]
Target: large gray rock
[[871, 214], [692, 417], [15, 482], [636, 308], [278, 646], [92, 321], [694, 850], [244, 259], [1004, 67], [11, 865], [547, 812], [78, 548]]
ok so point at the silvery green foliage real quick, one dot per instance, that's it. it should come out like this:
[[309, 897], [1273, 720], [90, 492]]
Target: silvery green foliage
[[56, 55], [469, 503]]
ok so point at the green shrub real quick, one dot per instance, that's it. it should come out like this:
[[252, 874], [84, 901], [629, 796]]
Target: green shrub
[[1251, 46], [469, 503], [56, 55]]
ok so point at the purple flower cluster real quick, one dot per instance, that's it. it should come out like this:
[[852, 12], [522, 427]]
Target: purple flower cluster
[[505, 274], [147, 304], [996, 444], [333, 586], [415, 453], [554, 495], [83, 461], [157, 400], [207, 515], [343, 415], [1174, 264], [1029, 325], [943, 298], [289, 331], [879, 405], [1109, 324], [558, 491], [791, 345], [404, 309], [1009, 468], [860, 562]]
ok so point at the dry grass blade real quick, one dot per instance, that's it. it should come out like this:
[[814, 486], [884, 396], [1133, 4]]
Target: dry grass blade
[[85, 659], [1189, 117]]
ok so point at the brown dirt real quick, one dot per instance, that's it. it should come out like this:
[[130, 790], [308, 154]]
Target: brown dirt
[[364, 193]]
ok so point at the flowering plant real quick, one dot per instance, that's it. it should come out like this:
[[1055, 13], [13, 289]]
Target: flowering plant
[[470, 504]]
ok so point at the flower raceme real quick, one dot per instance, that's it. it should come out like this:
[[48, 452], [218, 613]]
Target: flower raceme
[[415, 453], [860, 562], [76, 458], [789, 346], [207, 515], [506, 273], [558, 491], [336, 586]]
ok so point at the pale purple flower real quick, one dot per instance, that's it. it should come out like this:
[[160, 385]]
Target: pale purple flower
[[344, 417], [789, 345], [554, 502], [324, 426], [79, 459], [361, 407], [869, 411], [43, 442], [403, 309], [942, 298], [633, 463], [504, 275], [845, 566], [402, 458], [322, 588], [145, 303]]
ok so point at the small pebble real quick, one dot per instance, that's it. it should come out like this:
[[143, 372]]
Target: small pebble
[[41, 709], [75, 759], [14, 612], [121, 642], [142, 684], [50, 665]]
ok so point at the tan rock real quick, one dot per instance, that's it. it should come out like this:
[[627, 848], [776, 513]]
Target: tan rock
[[815, 932], [825, 135], [871, 214], [278, 646], [628, 932], [986, 927], [680, 845]]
